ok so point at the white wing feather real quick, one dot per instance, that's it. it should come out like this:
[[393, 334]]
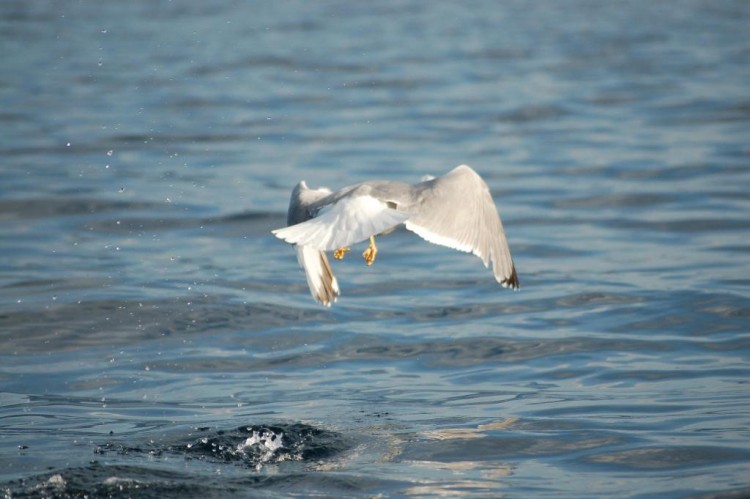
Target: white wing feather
[[349, 221], [320, 279]]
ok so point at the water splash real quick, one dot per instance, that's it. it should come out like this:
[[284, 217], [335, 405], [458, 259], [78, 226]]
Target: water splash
[[263, 446], [259, 446]]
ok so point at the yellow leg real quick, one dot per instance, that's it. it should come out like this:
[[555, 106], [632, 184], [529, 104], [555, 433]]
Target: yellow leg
[[339, 253], [370, 252]]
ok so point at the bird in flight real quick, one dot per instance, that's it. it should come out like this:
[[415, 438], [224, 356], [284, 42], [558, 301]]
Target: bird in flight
[[455, 210]]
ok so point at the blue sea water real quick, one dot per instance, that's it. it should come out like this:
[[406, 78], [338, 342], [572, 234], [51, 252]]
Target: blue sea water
[[156, 340]]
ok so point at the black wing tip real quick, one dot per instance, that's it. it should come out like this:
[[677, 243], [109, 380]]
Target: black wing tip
[[327, 297], [512, 281]]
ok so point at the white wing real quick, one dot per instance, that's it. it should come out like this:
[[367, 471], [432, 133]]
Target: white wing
[[457, 211], [350, 220], [320, 279]]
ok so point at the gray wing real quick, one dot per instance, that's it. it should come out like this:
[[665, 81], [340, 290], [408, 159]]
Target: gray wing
[[457, 211], [320, 279]]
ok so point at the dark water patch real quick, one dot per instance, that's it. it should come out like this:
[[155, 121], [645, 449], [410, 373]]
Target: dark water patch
[[26, 209], [682, 225], [170, 140], [742, 249], [528, 114], [741, 492], [12, 117], [499, 53], [635, 171], [677, 173], [153, 481], [97, 480], [256, 446], [596, 299], [45, 150], [435, 354], [725, 306], [381, 83], [740, 345], [251, 447], [278, 62], [51, 414], [295, 452], [472, 311], [56, 285], [614, 98], [701, 112], [132, 225], [739, 282], [688, 372], [461, 312], [674, 457], [247, 217], [548, 251], [463, 352], [239, 223], [699, 315], [623, 412], [117, 322], [630, 200]]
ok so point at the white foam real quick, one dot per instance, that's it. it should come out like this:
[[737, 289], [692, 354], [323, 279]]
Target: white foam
[[56, 481], [264, 442]]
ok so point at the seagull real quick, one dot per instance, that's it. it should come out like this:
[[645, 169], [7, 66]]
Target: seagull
[[455, 210]]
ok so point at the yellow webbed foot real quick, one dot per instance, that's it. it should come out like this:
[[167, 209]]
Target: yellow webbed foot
[[371, 251], [339, 253]]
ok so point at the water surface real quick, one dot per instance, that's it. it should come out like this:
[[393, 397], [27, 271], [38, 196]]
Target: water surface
[[156, 340]]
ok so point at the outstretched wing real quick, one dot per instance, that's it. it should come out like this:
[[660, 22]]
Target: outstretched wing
[[351, 219], [320, 279], [457, 211]]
